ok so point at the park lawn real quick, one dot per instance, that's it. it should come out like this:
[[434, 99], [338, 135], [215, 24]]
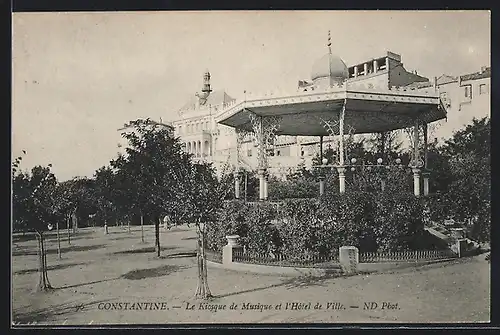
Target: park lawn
[[118, 268]]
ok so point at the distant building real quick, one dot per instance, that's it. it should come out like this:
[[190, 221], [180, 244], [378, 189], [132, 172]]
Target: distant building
[[468, 96]]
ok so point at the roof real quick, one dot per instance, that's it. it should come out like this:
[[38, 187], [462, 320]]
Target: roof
[[329, 66], [366, 110], [217, 97], [486, 73], [446, 79], [419, 84]]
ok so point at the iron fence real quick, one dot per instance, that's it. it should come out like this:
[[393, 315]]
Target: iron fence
[[286, 261], [405, 256]]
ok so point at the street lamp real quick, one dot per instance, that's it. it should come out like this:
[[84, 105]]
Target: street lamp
[[353, 162]]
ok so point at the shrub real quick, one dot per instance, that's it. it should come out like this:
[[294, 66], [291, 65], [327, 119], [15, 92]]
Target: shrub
[[262, 236], [297, 226], [293, 189], [383, 221], [231, 220], [398, 221]]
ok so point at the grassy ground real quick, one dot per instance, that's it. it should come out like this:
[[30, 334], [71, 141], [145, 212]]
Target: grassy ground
[[118, 268]]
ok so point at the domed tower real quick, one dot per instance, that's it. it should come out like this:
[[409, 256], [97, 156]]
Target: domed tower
[[205, 91], [330, 69]]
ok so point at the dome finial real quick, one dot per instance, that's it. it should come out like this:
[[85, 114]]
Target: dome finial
[[329, 43]]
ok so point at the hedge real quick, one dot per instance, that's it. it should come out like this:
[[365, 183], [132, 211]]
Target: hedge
[[384, 221]]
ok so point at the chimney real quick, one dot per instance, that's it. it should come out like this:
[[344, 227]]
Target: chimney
[[483, 68]]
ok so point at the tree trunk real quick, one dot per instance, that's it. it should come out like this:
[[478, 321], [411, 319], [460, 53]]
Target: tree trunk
[[128, 225], [43, 282], [58, 240], [67, 224], [74, 222], [157, 237], [142, 228], [202, 291]]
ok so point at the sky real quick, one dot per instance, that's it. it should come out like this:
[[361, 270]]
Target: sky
[[78, 77]]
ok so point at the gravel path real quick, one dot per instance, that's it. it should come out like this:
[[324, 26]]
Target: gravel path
[[101, 276]]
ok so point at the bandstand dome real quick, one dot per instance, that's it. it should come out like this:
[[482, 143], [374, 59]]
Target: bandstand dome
[[329, 66]]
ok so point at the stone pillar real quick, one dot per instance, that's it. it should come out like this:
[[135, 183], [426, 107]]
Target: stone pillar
[[349, 259], [460, 247], [262, 182], [321, 185], [416, 181], [375, 66], [237, 185], [355, 71], [227, 250], [365, 68], [341, 171], [266, 176], [425, 176]]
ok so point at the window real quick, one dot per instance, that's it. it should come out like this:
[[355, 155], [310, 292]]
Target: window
[[444, 98], [468, 91], [302, 153], [483, 89], [277, 152]]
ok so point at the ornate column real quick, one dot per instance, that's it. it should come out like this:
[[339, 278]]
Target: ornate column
[[264, 132], [426, 173], [416, 181], [236, 184], [341, 171], [262, 184], [266, 176], [341, 168], [321, 185], [417, 162], [330, 128], [321, 177], [240, 137]]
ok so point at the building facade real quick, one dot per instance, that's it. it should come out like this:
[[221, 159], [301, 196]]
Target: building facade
[[467, 97]]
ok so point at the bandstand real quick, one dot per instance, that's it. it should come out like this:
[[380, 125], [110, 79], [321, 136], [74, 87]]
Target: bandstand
[[333, 107]]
